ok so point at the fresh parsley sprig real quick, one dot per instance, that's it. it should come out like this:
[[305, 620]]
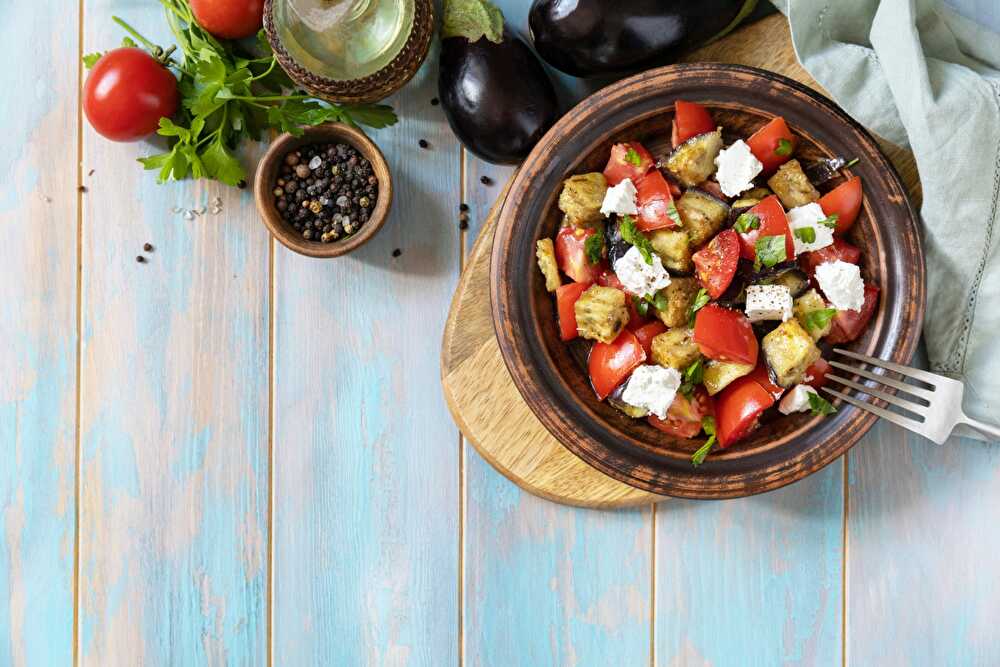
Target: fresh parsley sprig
[[701, 299], [806, 234], [830, 221], [693, 376], [632, 157], [770, 251], [593, 247], [631, 234], [817, 320], [708, 426], [746, 222], [819, 406], [784, 147]]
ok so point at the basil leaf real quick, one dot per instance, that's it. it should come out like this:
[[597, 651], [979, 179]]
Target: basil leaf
[[707, 425], [632, 157], [695, 373], [674, 215], [784, 147], [700, 300], [806, 234], [594, 248], [820, 406], [830, 221], [746, 222], [770, 251], [630, 234], [641, 306], [817, 320], [659, 301]]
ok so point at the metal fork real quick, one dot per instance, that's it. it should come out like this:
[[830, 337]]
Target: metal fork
[[936, 408]]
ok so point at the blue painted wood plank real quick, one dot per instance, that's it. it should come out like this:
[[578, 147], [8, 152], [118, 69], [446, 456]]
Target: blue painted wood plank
[[366, 455], [922, 586], [38, 210], [174, 409]]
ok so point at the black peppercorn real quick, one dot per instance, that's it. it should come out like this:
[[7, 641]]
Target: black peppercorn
[[140, 259], [148, 247], [397, 252], [423, 143], [435, 101], [486, 180], [463, 207]]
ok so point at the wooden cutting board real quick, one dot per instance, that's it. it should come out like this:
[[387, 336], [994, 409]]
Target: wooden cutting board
[[480, 393]]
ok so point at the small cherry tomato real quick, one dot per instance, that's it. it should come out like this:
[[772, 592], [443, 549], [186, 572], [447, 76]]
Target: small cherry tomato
[[611, 363], [849, 324], [646, 333], [684, 417], [773, 144], [690, 120], [566, 298], [629, 160], [840, 249], [725, 335], [771, 221], [126, 94], [844, 201], [571, 254], [655, 204], [229, 19], [737, 409], [716, 263]]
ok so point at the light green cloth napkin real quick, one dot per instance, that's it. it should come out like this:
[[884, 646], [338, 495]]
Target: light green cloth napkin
[[920, 75]]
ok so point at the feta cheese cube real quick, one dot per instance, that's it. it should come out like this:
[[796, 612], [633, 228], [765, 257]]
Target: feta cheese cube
[[808, 217], [768, 302], [842, 284], [737, 167], [796, 400], [620, 199], [652, 388], [638, 277]]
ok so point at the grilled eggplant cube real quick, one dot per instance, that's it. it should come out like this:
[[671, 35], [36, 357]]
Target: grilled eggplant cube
[[601, 313], [792, 185], [694, 161], [719, 374], [751, 198], [811, 302], [675, 348], [546, 253], [615, 400], [674, 249], [680, 294], [581, 198], [790, 350], [703, 216]]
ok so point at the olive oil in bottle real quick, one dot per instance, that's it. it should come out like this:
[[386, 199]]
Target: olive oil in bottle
[[343, 39]]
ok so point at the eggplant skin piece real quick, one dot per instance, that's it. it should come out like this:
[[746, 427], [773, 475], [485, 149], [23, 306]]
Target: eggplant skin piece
[[497, 97], [594, 37]]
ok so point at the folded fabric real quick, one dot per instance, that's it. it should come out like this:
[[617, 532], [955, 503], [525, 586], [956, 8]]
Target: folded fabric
[[920, 75]]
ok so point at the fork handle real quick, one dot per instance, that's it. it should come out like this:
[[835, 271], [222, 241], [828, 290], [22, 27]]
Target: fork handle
[[986, 429]]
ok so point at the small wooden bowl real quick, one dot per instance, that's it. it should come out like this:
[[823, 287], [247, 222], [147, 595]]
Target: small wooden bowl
[[267, 174], [548, 372]]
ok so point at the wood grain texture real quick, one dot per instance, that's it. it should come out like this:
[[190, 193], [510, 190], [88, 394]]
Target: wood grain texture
[[366, 459], [38, 215], [174, 386]]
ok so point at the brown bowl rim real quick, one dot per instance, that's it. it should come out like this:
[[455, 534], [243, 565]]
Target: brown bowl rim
[[894, 333], [267, 170]]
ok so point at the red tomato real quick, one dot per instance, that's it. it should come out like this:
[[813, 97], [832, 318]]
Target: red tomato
[[773, 222], [761, 376], [655, 204], [607, 278], [571, 254], [844, 201], [716, 262], [620, 167], [840, 249], [737, 408], [126, 94], [566, 298], [817, 372], [690, 120], [726, 335], [611, 363], [849, 324], [229, 19], [765, 142], [647, 332], [684, 416]]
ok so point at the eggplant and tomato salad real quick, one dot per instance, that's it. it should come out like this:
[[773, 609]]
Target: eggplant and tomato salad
[[705, 282]]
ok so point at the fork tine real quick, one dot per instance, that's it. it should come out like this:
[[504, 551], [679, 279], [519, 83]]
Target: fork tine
[[887, 381], [900, 420], [923, 376], [915, 408]]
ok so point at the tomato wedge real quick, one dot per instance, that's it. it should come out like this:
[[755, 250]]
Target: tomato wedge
[[726, 335], [690, 120], [766, 144], [817, 372], [566, 298], [646, 333], [716, 263], [849, 324], [611, 363], [684, 417], [655, 204], [737, 408], [844, 201], [571, 254], [840, 249], [772, 222], [761, 376], [629, 160]]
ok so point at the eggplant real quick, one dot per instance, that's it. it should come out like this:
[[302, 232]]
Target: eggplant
[[613, 241], [495, 93], [595, 37]]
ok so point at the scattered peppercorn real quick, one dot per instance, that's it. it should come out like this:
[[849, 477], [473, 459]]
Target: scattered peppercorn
[[148, 247], [325, 191], [486, 180], [82, 189], [435, 101], [463, 224], [463, 207], [397, 252], [423, 143], [140, 259], [90, 173]]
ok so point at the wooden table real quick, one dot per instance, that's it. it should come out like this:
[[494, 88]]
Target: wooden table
[[235, 455]]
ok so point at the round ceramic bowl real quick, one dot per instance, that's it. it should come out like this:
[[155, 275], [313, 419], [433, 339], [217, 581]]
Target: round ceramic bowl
[[267, 174], [546, 370]]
